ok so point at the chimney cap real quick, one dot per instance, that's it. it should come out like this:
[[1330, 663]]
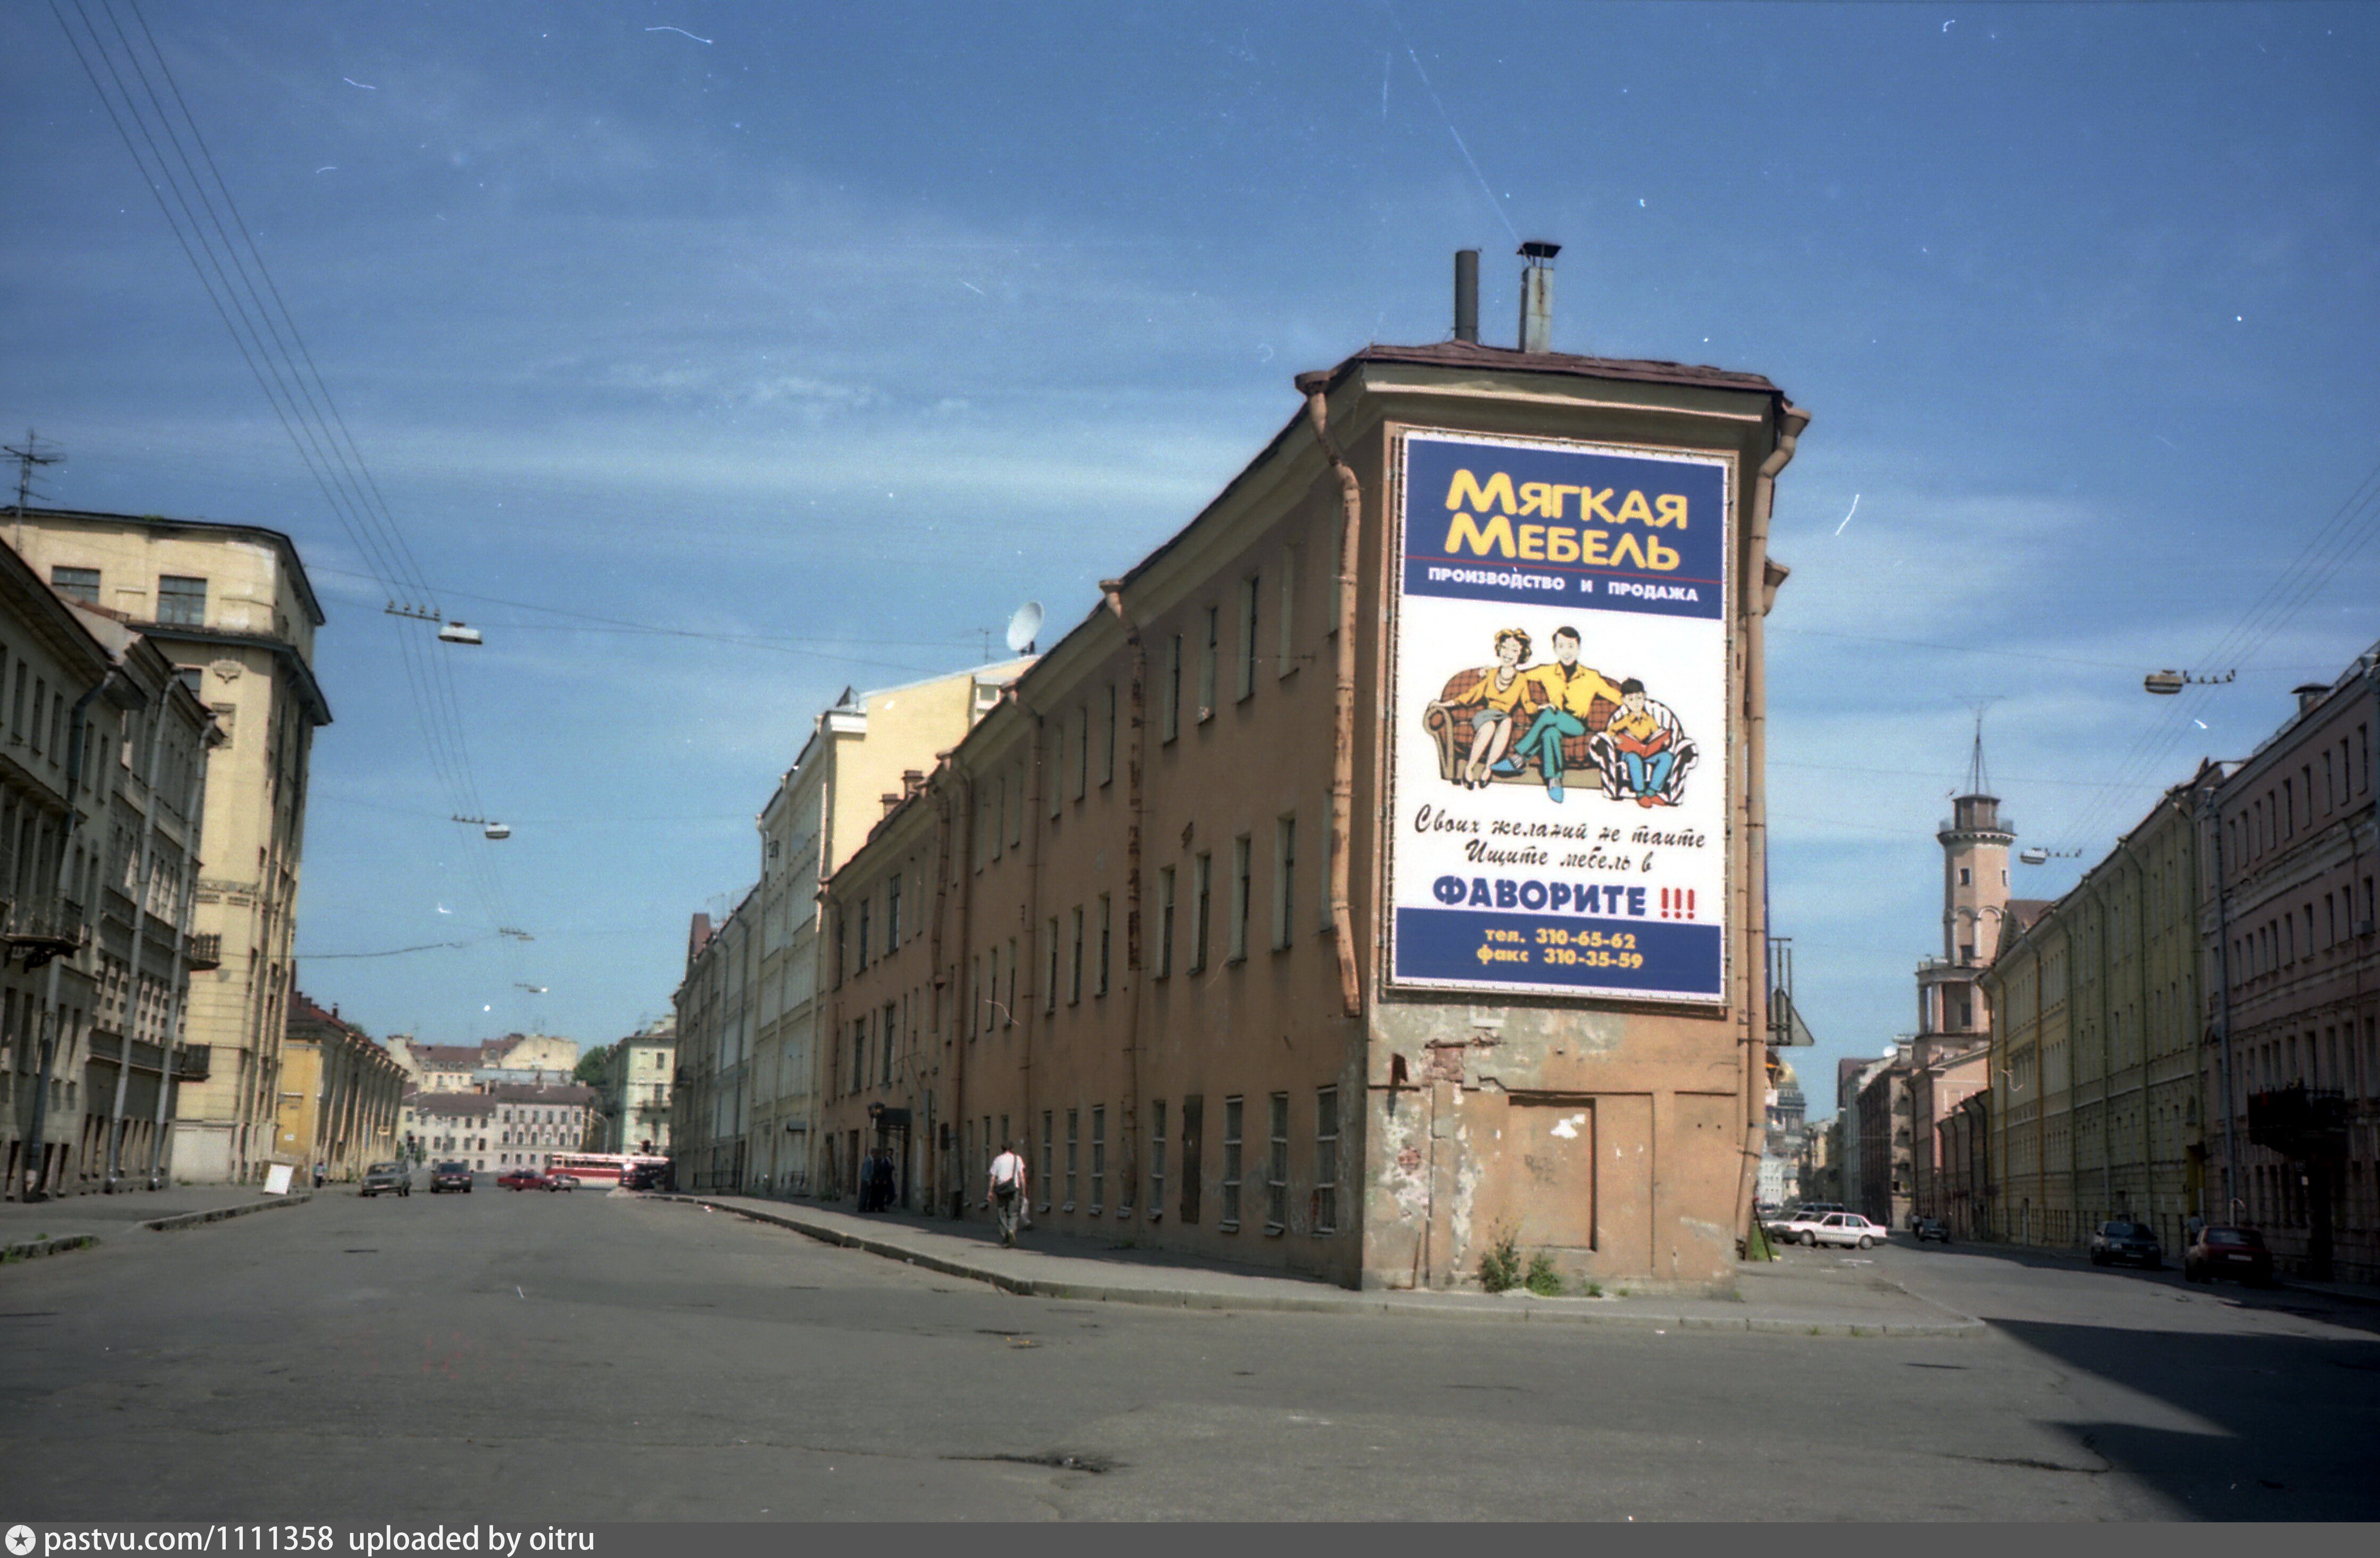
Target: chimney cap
[[1537, 248]]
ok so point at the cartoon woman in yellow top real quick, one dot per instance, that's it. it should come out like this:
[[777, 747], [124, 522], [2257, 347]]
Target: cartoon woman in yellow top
[[1497, 695]]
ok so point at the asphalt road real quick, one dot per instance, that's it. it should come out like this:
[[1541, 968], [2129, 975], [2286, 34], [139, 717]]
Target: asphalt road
[[531, 1357]]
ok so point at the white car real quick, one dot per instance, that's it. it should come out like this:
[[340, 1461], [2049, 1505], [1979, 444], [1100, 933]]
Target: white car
[[1846, 1230]]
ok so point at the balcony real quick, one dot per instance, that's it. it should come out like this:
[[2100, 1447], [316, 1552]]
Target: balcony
[[42, 928], [203, 951], [193, 1063], [2299, 1121]]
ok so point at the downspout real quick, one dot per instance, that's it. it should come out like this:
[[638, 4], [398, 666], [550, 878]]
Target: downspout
[[2212, 809], [192, 834], [960, 978], [1342, 724], [1037, 826], [940, 791], [50, 1025], [1113, 590], [140, 945], [1791, 420]]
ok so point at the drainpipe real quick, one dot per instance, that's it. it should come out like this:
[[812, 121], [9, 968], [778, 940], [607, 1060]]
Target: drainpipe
[[50, 1035], [139, 947], [1343, 724], [964, 807], [1037, 826], [1791, 420], [2209, 809], [1113, 590], [937, 787], [192, 834]]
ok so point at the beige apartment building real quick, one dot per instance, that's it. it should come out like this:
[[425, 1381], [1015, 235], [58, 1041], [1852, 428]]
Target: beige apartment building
[[230, 606], [102, 779], [1368, 877], [2098, 1085], [745, 1109], [342, 1095]]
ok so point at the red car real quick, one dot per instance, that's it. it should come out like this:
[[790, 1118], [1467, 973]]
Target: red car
[[2239, 1253], [523, 1179]]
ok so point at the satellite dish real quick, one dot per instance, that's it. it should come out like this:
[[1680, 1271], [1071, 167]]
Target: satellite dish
[[1025, 627]]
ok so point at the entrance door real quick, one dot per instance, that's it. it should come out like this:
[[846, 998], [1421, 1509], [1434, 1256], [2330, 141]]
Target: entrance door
[[1194, 1121]]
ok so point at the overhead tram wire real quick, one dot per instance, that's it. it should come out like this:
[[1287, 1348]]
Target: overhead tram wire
[[2332, 546], [274, 349]]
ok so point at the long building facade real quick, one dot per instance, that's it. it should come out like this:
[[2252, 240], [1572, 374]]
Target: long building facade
[[2099, 1083], [1364, 883]]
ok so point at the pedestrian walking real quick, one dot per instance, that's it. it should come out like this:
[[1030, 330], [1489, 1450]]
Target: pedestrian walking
[[1007, 1190]]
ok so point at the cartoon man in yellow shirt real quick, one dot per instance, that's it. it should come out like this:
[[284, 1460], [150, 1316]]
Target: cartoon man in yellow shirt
[[1569, 689]]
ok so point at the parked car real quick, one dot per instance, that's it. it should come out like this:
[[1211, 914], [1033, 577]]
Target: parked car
[[2228, 1252], [2132, 1242], [645, 1176], [562, 1182], [1793, 1227], [523, 1179], [452, 1174], [1932, 1228], [1846, 1230], [392, 1176]]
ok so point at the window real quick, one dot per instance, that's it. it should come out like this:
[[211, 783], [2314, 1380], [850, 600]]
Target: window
[[987, 993], [1326, 1161], [76, 584], [1008, 1017], [1014, 792], [1277, 1166], [1057, 762], [1081, 751], [1202, 893], [865, 905], [1075, 982], [1965, 876], [1074, 1137], [1284, 879], [181, 599], [1206, 664], [1164, 925], [1098, 1157], [1050, 983], [998, 809], [1155, 1159], [1047, 1135], [1107, 921], [1231, 1218], [1251, 591], [893, 913], [1169, 717], [1241, 853]]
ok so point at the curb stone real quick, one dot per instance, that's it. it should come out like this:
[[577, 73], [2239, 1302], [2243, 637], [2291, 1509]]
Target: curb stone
[[193, 1219], [27, 1249], [1332, 1304]]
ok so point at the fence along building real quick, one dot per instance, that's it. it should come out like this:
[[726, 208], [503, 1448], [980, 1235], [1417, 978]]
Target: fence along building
[[1228, 915]]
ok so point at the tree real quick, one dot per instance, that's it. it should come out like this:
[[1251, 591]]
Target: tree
[[596, 1066]]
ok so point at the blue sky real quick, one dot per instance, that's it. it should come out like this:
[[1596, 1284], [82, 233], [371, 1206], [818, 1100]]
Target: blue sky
[[820, 337]]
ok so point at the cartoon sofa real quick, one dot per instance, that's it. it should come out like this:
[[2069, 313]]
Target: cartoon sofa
[[1590, 761]]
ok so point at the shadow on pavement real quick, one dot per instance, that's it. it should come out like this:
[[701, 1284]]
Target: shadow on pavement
[[2294, 1432], [2333, 1303]]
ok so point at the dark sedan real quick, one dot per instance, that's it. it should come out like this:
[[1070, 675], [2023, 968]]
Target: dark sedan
[[453, 1174], [2134, 1243], [1932, 1228], [2236, 1253]]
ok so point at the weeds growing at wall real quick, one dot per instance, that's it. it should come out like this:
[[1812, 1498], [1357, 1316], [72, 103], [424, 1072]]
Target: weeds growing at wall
[[1499, 1267], [1543, 1280]]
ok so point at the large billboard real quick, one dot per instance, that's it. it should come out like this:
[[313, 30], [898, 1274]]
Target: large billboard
[[1558, 821]]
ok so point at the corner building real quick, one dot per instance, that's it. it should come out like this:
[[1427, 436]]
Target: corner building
[[1274, 915]]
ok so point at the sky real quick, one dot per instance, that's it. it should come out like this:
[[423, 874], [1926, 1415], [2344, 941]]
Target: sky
[[712, 359]]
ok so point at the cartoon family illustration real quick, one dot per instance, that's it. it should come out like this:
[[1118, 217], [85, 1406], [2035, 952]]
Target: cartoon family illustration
[[1491, 723]]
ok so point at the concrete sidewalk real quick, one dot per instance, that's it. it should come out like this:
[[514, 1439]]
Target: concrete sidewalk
[[1771, 1297], [30, 1228]]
